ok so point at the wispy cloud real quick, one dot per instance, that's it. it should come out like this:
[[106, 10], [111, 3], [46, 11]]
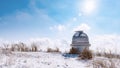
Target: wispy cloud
[[83, 27], [32, 20], [105, 41], [59, 28]]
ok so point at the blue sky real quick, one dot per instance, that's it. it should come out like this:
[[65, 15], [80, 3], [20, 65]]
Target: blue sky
[[57, 19]]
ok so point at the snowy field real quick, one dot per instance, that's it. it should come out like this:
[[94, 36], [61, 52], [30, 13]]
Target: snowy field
[[54, 60], [40, 60]]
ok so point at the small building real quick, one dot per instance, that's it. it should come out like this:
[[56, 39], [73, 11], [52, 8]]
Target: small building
[[80, 41]]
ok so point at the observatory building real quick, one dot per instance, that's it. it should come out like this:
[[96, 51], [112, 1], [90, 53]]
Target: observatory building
[[80, 41]]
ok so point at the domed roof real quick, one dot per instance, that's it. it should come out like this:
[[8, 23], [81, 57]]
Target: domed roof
[[80, 36]]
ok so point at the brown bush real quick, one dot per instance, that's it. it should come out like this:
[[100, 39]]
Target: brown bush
[[22, 47], [12, 48], [15, 47], [74, 51], [34, 48], [53, 50], [86, 54]]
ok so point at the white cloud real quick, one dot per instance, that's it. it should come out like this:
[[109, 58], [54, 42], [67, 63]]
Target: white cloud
[[83, 27], [58, 28], [80, 14], [74, 19], [108, 41], [32, 14], [61, 27]]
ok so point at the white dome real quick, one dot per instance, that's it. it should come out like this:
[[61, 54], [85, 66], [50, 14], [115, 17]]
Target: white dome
[[80, 37]]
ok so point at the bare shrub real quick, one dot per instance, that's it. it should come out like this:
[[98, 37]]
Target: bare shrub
[[20, 47], [86, 54], [34, 47], [12, 48], [5, 50], [5, 46], [26, 49], [53, 50], [74, 51]]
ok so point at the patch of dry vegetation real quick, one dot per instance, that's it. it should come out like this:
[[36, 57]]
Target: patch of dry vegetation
[[53, 50], [105, 59], [5, 50], [86, 54], [74, 51], [22, 47], [34, 47], [107, 54], [104, 63]]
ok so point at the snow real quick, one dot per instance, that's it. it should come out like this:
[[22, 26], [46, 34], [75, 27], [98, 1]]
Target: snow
[[44, 59], [39, 60]]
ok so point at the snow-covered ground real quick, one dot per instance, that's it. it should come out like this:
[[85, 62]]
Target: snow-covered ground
[[53, 60], [40, 60]]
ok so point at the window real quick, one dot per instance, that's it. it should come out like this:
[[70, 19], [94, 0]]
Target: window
[[84, 35], [76, 34]]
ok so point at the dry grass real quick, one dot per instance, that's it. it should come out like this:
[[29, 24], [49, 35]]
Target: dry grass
[[106, 59], [12, 48], [86, 54], [34, 48], [107, 54], [5, 49], [104, 63], [99, 64], [53, 50], [6, 52], [74, 51], [22, 47]]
